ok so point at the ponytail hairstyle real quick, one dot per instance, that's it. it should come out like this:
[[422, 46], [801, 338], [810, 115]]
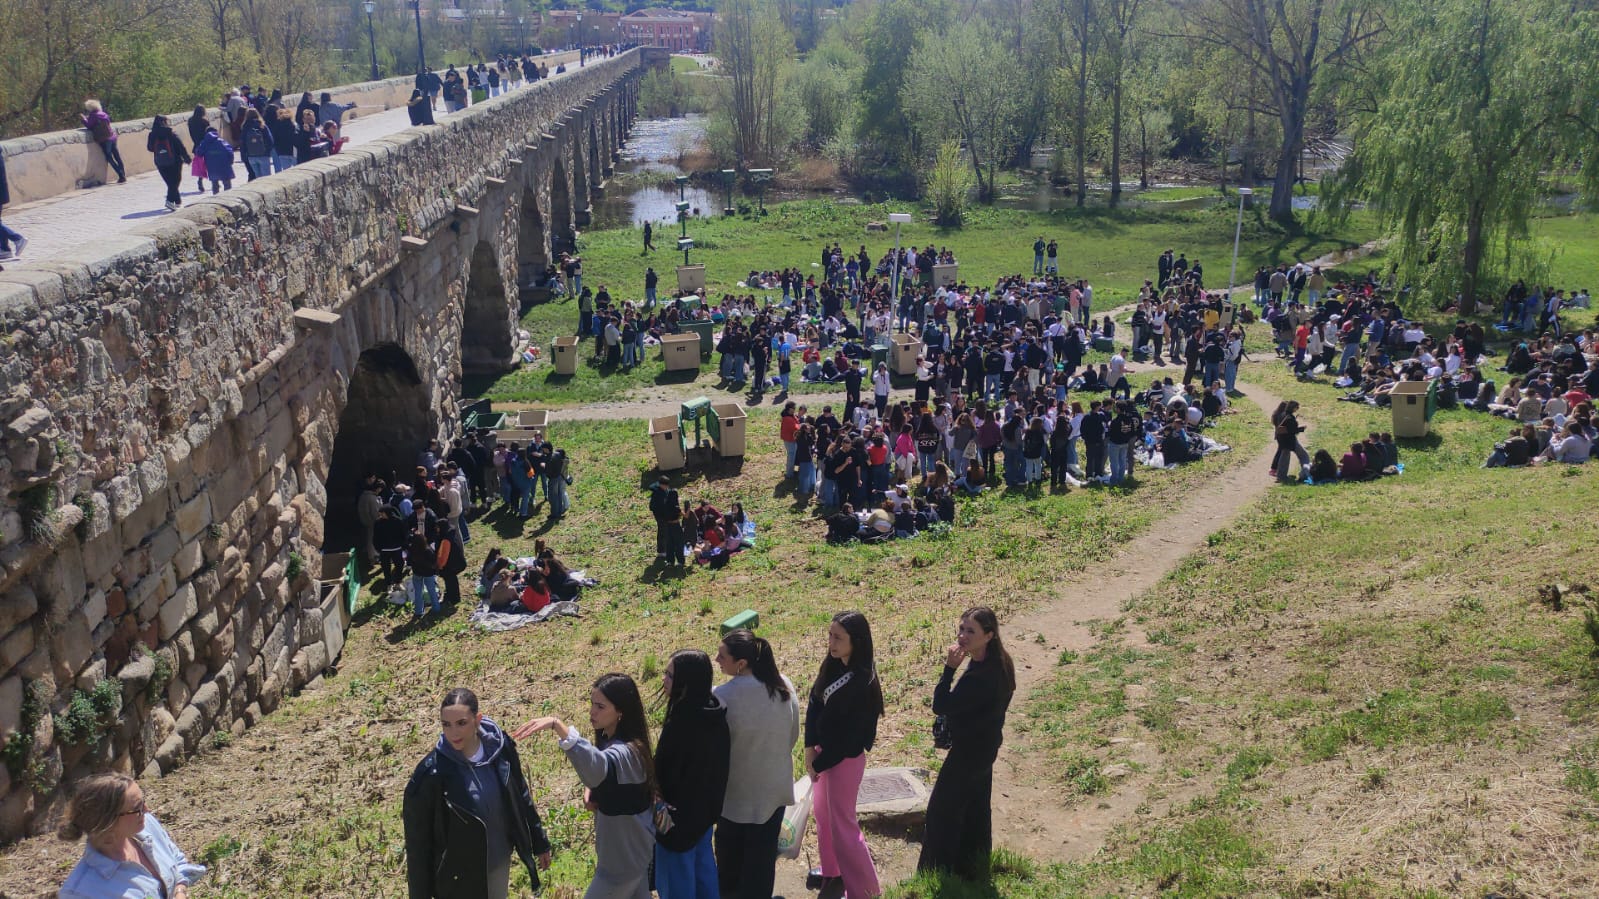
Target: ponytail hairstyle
[[691, 681], [744, 646], [984, 617], [861, 661], [633, 728], [460, 696], [95, 806]]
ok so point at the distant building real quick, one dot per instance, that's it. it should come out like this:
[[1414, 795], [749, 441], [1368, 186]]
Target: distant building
[[583, 26], [680, 32]]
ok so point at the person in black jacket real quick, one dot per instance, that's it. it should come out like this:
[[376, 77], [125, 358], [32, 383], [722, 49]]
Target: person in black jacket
[[691, 764], [668, 514], [959, 818], [840, 726], [170, 156], [468, 808]]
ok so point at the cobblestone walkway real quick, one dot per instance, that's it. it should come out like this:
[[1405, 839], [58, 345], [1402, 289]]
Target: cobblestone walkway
[[82, 216]]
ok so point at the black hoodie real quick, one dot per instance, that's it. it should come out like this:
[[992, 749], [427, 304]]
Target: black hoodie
[[691, 763]]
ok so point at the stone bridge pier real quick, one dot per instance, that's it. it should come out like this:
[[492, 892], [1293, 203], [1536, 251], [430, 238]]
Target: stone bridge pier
[[186, 414]]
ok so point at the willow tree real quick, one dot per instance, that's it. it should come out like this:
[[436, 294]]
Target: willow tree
[[1480, 97], [963, 82]]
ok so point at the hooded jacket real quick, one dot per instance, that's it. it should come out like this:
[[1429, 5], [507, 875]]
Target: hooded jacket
[[448, 816], [691, 764]]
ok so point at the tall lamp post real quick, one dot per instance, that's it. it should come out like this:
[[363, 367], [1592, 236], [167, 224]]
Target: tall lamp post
[[899, 219], [579, 40], [421, 55], [371, 40], [521, 42], [1244, 194]]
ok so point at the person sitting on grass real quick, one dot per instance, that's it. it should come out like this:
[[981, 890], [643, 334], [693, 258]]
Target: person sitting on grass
[[1323, 468], [1514, 452], [975, 480], [843, 526], [1572, 445], [1353, 466]]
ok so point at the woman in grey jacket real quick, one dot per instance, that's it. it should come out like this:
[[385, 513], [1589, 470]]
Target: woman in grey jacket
[[763, 717]]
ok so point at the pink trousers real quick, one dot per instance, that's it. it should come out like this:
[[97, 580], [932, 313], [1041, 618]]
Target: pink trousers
[[838, 832]]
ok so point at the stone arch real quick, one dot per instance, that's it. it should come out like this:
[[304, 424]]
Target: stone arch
[[532, 245], [387, 420], [580, 181], [562, 239], [486, 339], [596, 164]]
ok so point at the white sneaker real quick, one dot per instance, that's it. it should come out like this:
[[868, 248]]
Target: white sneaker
[[17, 246]]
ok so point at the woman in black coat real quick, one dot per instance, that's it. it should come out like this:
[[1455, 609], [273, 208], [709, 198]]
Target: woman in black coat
[[468, 809], [959, 834], [170, 156], [419, 108], [691, 764]]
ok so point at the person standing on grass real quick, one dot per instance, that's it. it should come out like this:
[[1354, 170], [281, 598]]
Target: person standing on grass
[[959, 837], [1286, 429], [126, 850], [468, 809], [649, 239], [691, 769], [763, 722], [840, 727], [98, 123], [618, 773]]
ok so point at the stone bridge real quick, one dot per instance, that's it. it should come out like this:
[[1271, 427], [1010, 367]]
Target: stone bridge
[[181, 406]]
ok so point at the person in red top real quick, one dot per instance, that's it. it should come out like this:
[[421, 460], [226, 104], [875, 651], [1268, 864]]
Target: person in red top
[[535, 592], [788, 426], [1301, 341]]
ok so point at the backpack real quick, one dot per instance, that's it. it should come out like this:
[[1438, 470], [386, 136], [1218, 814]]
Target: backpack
[[255, 143], [163, 154]]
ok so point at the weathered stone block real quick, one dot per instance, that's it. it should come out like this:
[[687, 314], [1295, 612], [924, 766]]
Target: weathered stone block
[[16, 646], [193, 516], [10, 708], [18, 605], [177, 611], [70, 648], [189, 558]]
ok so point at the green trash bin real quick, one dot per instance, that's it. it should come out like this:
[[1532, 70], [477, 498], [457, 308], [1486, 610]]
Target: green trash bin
[[879, 355], [703, 329], [698, 411]]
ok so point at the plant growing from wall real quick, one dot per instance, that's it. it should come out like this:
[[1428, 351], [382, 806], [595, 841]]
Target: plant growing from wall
[[35, 505], [160, 677], [89, 713], [296, 566], [20, 744]]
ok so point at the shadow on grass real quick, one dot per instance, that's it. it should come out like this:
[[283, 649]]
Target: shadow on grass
[[1426, 444], [658, 572], [410, 624], [682, 376]]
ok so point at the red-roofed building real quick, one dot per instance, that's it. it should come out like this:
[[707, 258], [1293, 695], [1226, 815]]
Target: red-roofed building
[[681, 32]]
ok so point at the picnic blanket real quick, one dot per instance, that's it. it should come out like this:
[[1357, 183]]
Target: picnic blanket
[[485, 620], [1205, 446]]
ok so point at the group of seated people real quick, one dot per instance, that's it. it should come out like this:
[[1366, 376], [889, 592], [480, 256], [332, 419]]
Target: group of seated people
[[1368, 459], [899, 516], [715, 535], [526, 585], [1544, 442]]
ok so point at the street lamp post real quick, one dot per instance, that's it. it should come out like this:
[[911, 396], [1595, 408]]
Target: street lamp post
[[1244, 194], [899, 219], [579, 41], [421, 54], [521, 42], [371, 40]]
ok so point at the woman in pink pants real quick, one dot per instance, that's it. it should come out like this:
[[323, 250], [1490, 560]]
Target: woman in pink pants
[[840, 726]]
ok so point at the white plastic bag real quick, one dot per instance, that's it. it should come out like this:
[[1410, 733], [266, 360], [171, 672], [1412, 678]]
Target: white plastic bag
[[792, 835]]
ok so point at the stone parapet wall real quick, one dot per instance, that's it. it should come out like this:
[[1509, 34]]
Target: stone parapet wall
[[169, 406], [40, 166]]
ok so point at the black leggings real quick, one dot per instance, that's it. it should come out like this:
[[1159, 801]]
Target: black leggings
[[173, 176]]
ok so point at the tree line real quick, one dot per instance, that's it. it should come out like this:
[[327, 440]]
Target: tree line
[[1443, 116]]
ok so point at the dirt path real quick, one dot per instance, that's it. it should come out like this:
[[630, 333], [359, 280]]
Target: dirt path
[[1029, 815]]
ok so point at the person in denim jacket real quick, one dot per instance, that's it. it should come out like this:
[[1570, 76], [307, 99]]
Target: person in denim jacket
[[127, 853]]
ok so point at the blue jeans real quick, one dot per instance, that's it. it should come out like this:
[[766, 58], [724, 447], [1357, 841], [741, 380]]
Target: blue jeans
[[630, 354], [649, 297], [807, 479], [555, 492], [281, 161], [991, 387], [1034, 469], [261, 166], [7, 238], [927, 460], [1121, 460], [577, 284], [1230, 376], [687, 875], [829, 494], [1212, 373], [419, 584], [460, 526], [1038, 263]]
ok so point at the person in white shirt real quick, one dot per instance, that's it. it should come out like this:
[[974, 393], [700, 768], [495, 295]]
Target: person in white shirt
[[1118, 376], [763, 721]]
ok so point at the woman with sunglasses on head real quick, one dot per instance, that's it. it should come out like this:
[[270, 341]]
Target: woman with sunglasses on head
[[468, 810], [126, 852], [618, 771], [840, 726], [959, 816], [691, 767], [763, 721]]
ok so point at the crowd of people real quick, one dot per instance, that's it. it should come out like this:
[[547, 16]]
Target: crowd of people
[[696, 811]]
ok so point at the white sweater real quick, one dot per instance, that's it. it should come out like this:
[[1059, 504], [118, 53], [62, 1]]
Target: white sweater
[[760, 776]]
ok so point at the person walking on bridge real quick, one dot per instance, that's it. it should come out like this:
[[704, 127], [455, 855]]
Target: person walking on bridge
[[170, 156], [11, 243]]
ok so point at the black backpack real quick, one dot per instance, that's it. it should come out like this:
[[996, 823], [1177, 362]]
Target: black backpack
[[163, 153], [255, 143]]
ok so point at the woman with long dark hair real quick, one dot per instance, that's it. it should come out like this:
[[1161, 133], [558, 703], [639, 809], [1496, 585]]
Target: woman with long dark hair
[[763, 722], [840, 726], [468, 809], [959, 833], [618, 771], [170, 156], [691, 766]]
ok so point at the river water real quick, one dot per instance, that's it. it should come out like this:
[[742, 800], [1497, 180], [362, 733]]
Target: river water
[[654, 145]]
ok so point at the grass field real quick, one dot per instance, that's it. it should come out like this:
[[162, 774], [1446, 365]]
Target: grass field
[[1114, 250]]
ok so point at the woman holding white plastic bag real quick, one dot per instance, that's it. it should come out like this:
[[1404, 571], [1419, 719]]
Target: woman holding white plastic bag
[[763, 717]]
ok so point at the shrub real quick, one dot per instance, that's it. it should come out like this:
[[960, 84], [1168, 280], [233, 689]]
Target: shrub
[[20, 744], [89, 713]]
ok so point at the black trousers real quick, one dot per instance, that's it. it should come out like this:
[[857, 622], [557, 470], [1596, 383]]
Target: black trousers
[[393, 564], [669, 541], [746, 857], [173, 176], [1096, 459], [959, 836]]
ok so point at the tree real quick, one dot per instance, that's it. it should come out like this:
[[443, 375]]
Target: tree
[[888, 39], [1078, 20], [1121, 20], [1479, 97], [964, 81], [948, 182], [754, 48], [1287, 44]]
